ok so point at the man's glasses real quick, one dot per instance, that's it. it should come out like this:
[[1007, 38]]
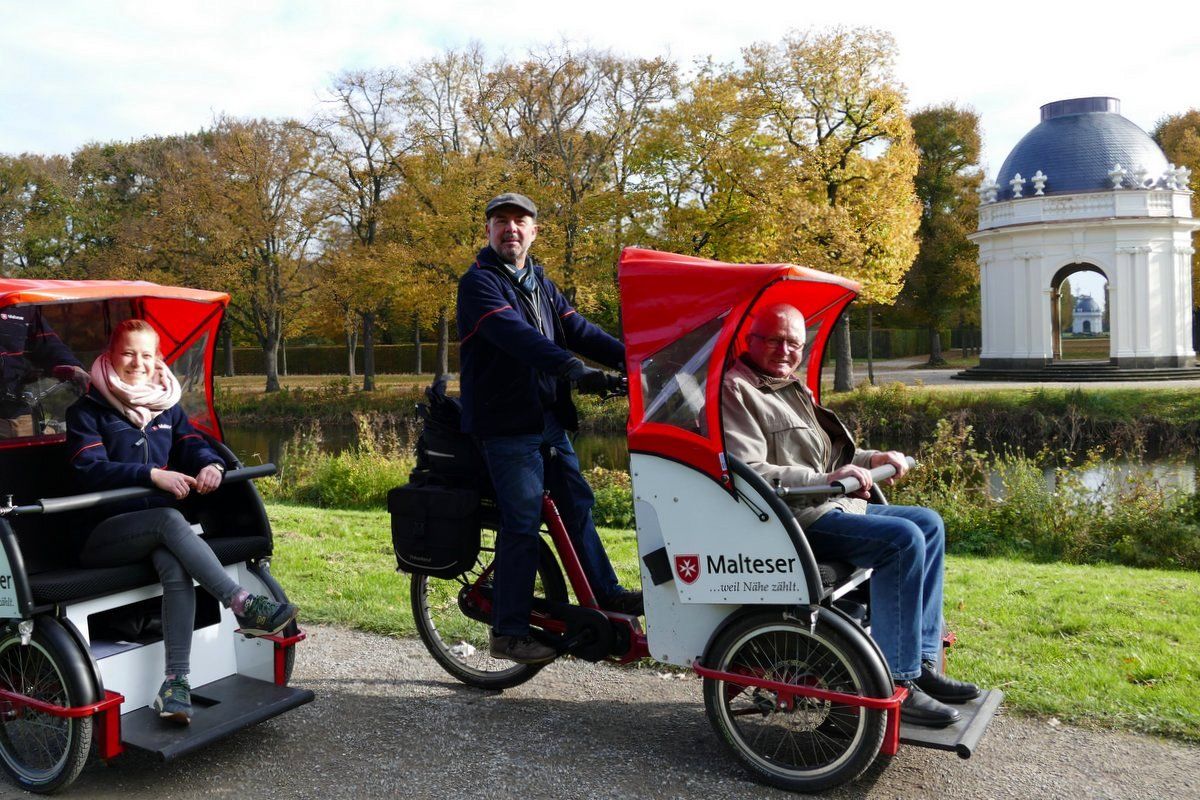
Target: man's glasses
[[777, 342]]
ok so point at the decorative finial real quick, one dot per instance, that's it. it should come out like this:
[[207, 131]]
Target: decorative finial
[[1183, 177], [1141, 176], [1016, 183], [987, 191], [1039, 183], [1117, 175]]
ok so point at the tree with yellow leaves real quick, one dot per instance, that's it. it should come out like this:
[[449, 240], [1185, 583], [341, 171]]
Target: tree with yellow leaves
[[840, 186]]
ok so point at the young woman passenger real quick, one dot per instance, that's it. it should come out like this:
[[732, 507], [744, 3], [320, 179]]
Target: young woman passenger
[[129, 430]]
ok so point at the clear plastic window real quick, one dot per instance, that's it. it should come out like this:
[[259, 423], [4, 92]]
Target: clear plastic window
[[189, 369], [673, 379]]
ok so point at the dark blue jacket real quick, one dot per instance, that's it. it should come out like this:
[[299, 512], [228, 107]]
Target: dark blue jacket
[[509, 369], [107, 451], [26, 341]]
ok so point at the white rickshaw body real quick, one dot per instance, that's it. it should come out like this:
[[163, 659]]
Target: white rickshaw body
[[715, 543], [81, 649]]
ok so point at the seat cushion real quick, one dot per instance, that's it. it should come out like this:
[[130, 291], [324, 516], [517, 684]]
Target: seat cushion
[[77, 583]]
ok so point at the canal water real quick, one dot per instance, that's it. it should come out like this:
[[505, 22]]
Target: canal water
[[259, 444]]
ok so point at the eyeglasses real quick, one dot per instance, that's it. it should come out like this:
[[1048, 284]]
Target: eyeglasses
[[776, 342]]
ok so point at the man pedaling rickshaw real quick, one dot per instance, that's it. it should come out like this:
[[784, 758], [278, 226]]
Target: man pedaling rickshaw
[[775, 427], [518, 336]]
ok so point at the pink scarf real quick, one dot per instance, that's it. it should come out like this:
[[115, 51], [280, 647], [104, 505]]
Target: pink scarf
[[139, 404]]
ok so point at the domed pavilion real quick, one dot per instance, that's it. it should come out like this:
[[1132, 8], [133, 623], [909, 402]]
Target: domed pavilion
[[1086, 190]]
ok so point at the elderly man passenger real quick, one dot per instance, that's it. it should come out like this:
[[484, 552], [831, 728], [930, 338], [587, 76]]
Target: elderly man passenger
[[773, 425]]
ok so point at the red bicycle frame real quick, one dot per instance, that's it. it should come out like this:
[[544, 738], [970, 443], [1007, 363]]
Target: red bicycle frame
[[577, 578]]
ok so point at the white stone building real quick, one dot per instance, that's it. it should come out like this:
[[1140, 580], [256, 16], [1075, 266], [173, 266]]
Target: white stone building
[[1086, 190], [1087, 318]]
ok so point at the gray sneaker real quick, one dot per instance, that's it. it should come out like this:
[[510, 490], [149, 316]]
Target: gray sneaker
[[174, 701], [521, 649], [262, 616]]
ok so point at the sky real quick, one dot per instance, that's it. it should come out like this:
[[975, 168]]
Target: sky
[[76, 72]]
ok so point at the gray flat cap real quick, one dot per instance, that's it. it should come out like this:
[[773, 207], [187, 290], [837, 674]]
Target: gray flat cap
[[510, 199]]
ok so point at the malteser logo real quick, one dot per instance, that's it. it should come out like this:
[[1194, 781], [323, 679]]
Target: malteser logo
[[687, 568]]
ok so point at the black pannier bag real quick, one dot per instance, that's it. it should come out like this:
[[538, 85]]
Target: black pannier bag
[[445, 455], [436, 518], [435, 529]]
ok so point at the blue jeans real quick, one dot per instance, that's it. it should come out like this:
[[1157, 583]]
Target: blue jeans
[[519, 475], [906, 546]]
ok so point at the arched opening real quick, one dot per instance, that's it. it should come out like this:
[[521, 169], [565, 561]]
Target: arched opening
[[1079, 319]]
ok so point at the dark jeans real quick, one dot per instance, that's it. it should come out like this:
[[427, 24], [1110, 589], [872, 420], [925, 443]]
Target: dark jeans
[[906, 546], [167, 539], [519, 475]]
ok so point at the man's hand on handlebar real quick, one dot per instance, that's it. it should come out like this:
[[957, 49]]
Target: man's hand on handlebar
[[893, 458], [76, 375], [857, 473], [594, 381]]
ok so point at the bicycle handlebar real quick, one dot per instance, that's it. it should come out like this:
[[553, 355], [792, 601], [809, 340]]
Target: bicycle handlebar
[[843, 486], [78, 502]]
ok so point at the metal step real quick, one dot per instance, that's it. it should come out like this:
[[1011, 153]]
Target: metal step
[[219, 709], [963, 736]]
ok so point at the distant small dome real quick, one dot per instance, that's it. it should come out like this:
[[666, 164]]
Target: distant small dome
[[1084, 304], [1076, 146]]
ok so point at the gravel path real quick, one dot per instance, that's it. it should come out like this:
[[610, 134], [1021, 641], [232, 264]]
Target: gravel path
[[388, 723]]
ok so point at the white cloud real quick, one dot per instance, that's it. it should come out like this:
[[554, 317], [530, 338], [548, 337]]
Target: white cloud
[[79, 71]]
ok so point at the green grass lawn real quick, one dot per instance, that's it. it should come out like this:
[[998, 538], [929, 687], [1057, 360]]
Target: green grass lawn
[[1107, 646]]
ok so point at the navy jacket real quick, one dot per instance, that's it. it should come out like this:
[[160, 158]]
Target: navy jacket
[[509, 368], [108, 452], [26, 340]]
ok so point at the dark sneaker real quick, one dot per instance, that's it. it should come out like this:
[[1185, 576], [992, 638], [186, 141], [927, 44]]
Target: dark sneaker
[[942, 688], [624, 601], [521, 649], [174, 701], [262, 616], [921, 709]]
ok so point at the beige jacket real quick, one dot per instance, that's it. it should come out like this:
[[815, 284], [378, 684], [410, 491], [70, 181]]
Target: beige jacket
[[776, 428]]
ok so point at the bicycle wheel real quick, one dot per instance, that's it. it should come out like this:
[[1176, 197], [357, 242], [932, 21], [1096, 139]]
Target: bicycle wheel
[[43, 753], [459, 642], [815, 744]]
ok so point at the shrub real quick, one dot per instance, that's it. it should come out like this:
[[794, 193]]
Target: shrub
[[356, 478], [614, 497]]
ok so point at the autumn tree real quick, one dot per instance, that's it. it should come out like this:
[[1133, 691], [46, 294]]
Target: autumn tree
[[272, 218], [37, 208], [697, 168], [841, 183], [945, 275], [359, 136], [571, 120], [1179, 137]]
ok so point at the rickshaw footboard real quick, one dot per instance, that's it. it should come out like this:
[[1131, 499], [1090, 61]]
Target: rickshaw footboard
[[787, 692], [223, 707]]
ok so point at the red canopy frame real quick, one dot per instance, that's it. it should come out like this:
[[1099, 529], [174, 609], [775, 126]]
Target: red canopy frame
[[181, 316], [667, 297]]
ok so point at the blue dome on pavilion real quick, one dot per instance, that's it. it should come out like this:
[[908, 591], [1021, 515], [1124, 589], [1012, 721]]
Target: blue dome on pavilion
[[1084, 304], [1076, 145]]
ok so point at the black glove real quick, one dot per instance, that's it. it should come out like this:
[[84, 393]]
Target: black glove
[[589, 380]]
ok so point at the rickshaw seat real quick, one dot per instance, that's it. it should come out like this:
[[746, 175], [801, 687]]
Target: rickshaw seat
[[49, 544], [77, 583]]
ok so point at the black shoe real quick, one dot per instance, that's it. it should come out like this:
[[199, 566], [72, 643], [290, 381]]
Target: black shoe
[[521, 649], [921, 709], [942, 688], [624, 601]]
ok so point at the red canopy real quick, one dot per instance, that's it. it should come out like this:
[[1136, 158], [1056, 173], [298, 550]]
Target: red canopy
[[683, 323], [181, 316]]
